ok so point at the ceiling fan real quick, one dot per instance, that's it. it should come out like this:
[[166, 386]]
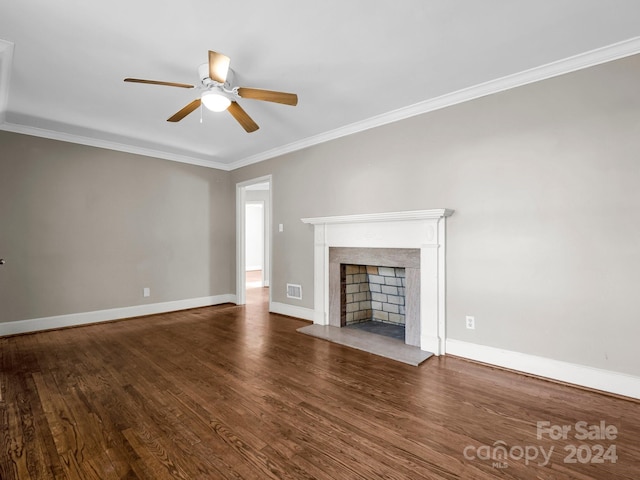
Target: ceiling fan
[[219, 93]]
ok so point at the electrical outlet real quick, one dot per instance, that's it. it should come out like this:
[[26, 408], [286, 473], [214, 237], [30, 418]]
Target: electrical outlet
[[146, 292], [471, 322]]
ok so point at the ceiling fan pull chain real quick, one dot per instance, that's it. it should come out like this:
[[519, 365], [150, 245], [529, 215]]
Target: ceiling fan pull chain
[[201, 113]]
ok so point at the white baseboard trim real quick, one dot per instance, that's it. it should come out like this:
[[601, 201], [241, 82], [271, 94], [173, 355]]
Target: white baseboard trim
[[582, 375], [292, 310], [83, 318]]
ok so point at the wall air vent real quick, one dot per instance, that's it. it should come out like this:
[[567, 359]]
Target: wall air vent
[[294, 291]]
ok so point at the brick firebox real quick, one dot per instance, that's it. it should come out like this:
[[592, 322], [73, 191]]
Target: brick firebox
[[372, 293]]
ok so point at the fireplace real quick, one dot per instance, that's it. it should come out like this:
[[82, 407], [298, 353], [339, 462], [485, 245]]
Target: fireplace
[[412, 240]]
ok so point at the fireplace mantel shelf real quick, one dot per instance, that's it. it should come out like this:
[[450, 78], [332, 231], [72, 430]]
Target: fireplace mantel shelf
[[381, 217]]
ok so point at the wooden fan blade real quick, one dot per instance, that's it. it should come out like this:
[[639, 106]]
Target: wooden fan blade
[[218, 66], [156, 82], [242, 117], [184, 111], [268, 96]]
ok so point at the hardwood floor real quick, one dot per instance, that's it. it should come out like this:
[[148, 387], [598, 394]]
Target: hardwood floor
[[232, 392]]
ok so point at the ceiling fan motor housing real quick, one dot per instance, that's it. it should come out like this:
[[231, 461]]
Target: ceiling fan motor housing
[[207, 82]]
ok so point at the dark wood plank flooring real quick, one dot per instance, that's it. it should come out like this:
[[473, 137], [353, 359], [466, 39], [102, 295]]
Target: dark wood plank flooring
[[233, 392]]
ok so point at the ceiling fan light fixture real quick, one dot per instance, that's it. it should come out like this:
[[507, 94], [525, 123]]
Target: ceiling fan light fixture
[[215, 101]]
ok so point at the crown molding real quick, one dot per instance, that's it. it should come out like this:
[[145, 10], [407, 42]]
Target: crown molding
[[6, 60], [120, 147], [571, 64]]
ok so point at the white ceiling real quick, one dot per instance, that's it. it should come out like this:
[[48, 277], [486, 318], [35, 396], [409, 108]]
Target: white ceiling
[[353, 63]]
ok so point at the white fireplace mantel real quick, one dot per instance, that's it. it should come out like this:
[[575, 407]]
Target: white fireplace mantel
[[422, 229], [381, 217]]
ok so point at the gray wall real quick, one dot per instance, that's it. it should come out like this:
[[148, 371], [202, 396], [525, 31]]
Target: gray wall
[[544, 247], [85, 229]]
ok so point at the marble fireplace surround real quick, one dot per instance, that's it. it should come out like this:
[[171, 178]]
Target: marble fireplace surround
[[420, 230]]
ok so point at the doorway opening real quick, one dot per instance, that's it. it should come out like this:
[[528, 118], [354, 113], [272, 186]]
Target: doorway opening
[[254, 243], [253, 236]]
